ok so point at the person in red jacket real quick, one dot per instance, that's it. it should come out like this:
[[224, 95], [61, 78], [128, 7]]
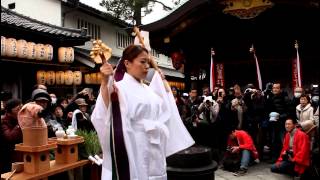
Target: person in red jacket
[[295, 154], [241, 142]]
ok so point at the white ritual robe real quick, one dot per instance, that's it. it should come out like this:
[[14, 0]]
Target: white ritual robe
[[152, 128]]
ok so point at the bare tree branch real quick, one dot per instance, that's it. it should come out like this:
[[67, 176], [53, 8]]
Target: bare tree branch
[[165, 7]]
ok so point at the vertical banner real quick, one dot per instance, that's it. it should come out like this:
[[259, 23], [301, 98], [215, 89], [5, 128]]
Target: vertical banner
[[220, 74], [212, 73], [253, 51], [296, 69], [295, 81]]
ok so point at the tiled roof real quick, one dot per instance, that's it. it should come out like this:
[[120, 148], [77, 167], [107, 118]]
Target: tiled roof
[[9, 17]]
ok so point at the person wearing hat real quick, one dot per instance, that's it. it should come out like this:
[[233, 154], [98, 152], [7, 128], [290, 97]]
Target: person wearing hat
[[294, 158], [80, 117], [42, 98]]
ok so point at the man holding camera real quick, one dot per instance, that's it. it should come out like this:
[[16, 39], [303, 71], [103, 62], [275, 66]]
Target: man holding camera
[[295, 154], [240, 144], [208, 110]]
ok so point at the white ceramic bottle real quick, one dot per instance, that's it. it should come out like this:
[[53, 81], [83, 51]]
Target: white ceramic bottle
[[60, 133]]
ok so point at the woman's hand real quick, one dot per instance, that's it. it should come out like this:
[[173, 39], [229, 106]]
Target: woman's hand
[[106, 70]]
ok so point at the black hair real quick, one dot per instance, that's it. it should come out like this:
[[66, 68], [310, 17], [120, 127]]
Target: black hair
[[130, 53], [306, 96], [5, 95], [294, 121], [12, 103]]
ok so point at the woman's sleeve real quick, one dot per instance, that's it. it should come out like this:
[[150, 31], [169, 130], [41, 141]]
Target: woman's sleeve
[[179, 137], [100, 119]]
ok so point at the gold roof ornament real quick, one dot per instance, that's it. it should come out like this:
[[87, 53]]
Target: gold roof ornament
[[100, 52], [246, 9], [296, 45]]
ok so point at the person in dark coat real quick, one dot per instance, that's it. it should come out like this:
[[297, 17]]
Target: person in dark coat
[[10, 135], [278, 103]]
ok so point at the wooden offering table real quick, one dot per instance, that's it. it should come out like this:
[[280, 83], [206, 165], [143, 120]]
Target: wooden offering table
[[55, 168], [36, 158], [67, 150]]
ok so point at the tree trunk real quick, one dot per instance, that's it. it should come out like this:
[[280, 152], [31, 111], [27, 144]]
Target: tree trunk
[[137, 14]]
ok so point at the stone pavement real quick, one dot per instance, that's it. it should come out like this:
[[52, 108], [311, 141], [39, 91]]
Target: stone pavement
[[259, 171]]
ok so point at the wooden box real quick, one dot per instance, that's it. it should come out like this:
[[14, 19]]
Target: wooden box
[[36, 158], [67, 150], [35, 136]]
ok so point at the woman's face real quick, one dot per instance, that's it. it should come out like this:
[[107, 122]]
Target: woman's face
[[83, 108], [303, 101], [64, 103], [138, 68], [174, 91]]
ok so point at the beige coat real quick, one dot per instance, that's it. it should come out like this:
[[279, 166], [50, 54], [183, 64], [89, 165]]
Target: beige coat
[[305, 114]]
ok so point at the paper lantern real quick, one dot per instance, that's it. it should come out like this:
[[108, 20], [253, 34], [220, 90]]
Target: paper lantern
[[65, 54], [183, 86], [50, 77], [48, 52], [177, 59], [3, 46], [11, 47], [22, 48], [68, 77], [99, 78], [59, 77], [31, 50], [70, 54], [87, 78], [93, 78], [40, 52], [77, 77], [41, 77]]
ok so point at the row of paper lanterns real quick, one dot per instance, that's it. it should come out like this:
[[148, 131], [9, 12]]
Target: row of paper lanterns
[[59, 77], [93, 78], [179, 85], [67, 77], [11, 47]]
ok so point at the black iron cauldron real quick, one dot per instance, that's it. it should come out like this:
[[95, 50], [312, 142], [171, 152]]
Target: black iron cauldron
[[194, 163]]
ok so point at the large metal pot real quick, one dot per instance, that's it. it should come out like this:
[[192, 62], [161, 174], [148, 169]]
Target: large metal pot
[[193, 163]]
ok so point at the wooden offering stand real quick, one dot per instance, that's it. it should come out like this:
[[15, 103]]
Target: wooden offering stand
[[36, 158], [40, 166], [67, 150]]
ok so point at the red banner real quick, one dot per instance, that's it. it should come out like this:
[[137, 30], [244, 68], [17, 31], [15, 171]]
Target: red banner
[[295, 79], [220, 74]]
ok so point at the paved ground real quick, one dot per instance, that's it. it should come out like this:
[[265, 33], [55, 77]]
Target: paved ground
[[259, 171]]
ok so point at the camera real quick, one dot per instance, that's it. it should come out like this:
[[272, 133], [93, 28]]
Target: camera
[[287, 155], [229, 149]]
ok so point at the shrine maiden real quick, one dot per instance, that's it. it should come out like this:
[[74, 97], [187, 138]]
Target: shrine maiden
[[151, 125]]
